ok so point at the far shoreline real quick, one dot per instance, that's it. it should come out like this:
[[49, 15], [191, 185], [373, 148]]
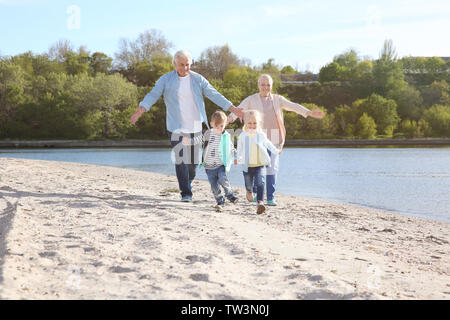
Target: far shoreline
[[136, 143]]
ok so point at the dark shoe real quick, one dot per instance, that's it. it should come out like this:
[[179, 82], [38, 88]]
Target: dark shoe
[[233, 199], [186, 199]]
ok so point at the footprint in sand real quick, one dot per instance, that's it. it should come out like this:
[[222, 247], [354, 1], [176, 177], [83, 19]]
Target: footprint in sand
[[47, 254], [119, 269], [199, 277]]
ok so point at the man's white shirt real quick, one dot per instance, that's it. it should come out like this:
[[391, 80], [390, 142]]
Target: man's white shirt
[[190, 116]]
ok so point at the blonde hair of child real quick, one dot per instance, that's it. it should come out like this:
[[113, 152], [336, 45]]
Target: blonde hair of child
[[218, 117], [252, 114]]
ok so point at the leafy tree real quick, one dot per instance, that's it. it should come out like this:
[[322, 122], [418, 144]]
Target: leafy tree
[[99, 99], [366, 127], [382, 110], [408, 99], [345, 118], [60, 50], [438, 116], [299, 128], [347, 59], [288, 70], [12, 82], [144, 60], [388, 71], [146, 74], [246, 79], [47, 118], [113, 96], [149, 43], [437, 93], [423, 71], [100, 63], [69, 93], [363, 72], [330, 72], [414, 129], [436, 69], [316, 128], [270, 67], [75, 63], [214, 62], [348, 66]]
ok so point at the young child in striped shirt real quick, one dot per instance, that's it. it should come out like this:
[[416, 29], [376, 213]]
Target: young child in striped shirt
[[218, 155]]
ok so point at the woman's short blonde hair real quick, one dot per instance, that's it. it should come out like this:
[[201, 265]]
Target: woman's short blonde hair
[[265, 76]]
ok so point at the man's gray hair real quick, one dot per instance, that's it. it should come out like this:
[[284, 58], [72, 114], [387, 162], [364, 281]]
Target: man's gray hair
[[182, 54], [267, 76]]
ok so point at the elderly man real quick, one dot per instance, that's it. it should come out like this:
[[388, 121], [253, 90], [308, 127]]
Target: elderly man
[[271, 107], [183, 92]]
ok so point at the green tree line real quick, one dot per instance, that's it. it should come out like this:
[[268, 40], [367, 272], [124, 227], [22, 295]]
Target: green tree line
[[69, 93]]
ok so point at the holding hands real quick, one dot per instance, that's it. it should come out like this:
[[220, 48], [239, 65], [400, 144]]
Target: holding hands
[[237, 111]]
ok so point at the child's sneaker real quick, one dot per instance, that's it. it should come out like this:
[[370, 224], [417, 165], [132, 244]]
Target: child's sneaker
[[233, 199], [272, 203], [261, 208], [250, 196]]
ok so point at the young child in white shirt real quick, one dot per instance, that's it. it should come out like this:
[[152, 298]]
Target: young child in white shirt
[[252, 153]]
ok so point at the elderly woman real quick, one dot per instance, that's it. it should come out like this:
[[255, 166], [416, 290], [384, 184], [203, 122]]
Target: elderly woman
[[271, 107]]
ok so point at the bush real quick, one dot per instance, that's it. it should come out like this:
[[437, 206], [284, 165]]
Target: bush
[[366, 127], [438, 117]]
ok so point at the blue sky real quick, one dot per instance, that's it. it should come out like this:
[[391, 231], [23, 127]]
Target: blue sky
[[304, 34]]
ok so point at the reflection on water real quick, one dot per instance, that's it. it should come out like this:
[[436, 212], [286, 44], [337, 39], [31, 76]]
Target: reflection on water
[[414, 181]]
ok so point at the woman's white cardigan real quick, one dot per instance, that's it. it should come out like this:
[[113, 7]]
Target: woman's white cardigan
[[253, 102]]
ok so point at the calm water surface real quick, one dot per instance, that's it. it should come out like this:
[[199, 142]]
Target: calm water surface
[[412, 181]]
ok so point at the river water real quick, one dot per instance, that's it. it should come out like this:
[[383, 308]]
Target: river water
[[411, 181]]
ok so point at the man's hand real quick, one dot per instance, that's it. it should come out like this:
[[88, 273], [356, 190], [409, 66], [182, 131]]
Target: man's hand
[[135, 117], [316, 113], [238, 112]]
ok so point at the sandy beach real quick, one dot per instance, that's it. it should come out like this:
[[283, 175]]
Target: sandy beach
[[76, 231]]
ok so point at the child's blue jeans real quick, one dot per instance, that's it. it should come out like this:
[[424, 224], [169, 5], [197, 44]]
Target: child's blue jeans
[[218, 177], [255, 177]]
